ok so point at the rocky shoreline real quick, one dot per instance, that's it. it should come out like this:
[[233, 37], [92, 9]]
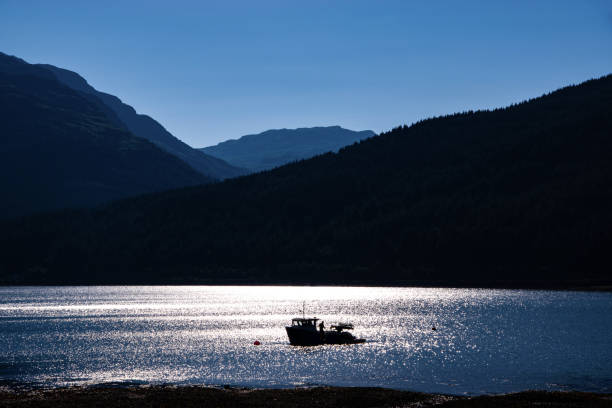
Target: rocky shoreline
[[320, 397]]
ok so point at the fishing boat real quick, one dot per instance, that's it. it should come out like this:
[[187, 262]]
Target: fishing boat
[[303, 332]]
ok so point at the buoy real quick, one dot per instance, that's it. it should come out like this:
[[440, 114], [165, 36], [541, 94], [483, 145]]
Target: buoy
[[257, 343], [433, 328]]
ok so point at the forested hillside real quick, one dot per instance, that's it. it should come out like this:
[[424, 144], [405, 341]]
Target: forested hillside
[[514, 196]]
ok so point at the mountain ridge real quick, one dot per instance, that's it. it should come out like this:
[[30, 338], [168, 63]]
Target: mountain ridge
[[59, 149], [148, 128], [275, 147]]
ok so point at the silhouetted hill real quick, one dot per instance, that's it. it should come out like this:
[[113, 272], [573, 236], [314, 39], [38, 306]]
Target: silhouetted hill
[[274, 148], [58, 149], [147, 128], [514, 196]]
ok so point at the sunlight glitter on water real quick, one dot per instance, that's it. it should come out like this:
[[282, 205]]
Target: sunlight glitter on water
[[486, 340]]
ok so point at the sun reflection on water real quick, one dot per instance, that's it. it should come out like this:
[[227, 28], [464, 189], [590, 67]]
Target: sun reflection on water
[[484, 341]]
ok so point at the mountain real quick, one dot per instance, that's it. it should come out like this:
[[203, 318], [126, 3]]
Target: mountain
[[147, 128], [58, 149], [519, 196], [274, 148]]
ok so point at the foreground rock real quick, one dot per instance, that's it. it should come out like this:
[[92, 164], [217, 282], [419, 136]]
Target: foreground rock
[[171, 396]]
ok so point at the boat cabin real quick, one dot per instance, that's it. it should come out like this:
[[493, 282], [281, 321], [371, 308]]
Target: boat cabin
[[303, 321]]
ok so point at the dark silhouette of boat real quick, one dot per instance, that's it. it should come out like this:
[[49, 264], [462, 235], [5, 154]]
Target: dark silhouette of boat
[[303, 332]]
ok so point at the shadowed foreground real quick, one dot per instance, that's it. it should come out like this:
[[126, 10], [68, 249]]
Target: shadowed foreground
[[170, 396]]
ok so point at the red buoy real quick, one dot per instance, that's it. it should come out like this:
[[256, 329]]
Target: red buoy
[[257, 343]]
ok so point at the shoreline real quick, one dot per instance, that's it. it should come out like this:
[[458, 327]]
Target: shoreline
[[321, 397], [602, 288]]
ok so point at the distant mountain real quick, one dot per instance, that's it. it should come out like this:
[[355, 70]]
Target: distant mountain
[[274, 148], [59, 149], [147, 128], [519, 196]]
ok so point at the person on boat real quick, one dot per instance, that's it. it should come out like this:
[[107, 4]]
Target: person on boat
[[321, 326]]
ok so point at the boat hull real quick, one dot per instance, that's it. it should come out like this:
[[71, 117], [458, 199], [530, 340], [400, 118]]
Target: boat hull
[[300, 336]]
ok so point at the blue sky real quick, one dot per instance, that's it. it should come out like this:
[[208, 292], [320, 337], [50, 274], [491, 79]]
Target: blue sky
[[214, 70]]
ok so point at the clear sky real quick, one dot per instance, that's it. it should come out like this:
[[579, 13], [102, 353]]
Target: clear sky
[[213, 70]]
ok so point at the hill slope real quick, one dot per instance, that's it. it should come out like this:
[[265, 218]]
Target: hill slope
[[274, 148], [58, 149], [147, 128], [515, 196]]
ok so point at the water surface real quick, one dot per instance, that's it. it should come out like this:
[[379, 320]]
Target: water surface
[[487, 341]]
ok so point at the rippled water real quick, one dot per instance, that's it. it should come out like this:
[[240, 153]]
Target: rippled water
[[487, 341]]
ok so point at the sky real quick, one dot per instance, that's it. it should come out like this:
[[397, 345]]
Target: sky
[[209, 71]]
